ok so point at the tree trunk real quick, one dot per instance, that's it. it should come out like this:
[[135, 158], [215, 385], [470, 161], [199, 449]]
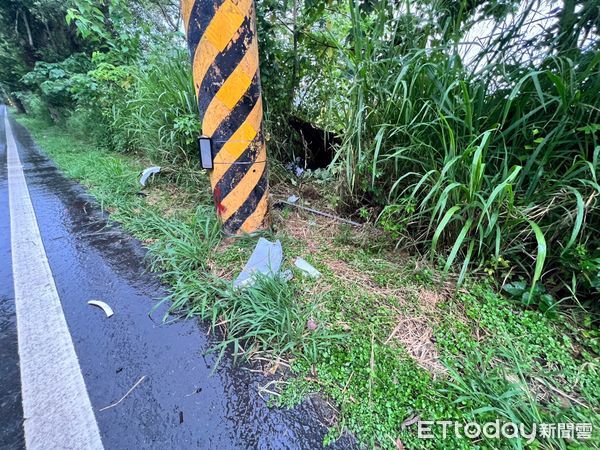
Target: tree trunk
[[27, 28]]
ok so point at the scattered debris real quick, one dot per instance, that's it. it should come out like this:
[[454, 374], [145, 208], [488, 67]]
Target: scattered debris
[[266, 259], [311, 324], [306, 268], [100, 304], [147, 173], [180, 417], [320, 213], [125, 396], [293, 199], [296, 167]]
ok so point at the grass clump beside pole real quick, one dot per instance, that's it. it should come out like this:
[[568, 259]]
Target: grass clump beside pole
[[269, 317]]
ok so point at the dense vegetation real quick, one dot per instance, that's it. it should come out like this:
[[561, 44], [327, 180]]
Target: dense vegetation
[[467, 131]]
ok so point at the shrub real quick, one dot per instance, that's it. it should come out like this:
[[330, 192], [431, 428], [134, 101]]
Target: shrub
[[159, 115], [53, 81]]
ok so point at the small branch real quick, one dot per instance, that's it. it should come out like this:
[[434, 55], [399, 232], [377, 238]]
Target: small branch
[[321, 213], [126, 394], [561, 393]]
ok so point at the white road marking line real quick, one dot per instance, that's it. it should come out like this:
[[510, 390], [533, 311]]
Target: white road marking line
[[57, 410]]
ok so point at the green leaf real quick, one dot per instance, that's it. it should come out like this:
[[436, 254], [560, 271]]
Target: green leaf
[[459, 240], [441, 226], [515, 288], [541, 253]]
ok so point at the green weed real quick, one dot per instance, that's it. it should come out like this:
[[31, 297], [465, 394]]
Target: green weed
[[269, 317]]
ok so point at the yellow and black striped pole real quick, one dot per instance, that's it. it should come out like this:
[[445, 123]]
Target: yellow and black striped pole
[[221, 36]]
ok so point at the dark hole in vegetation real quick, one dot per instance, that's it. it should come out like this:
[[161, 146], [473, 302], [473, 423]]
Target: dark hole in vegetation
[[318, 145]]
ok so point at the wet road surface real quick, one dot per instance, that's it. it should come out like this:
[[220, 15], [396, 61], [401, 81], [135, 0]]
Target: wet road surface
[[181, 403]]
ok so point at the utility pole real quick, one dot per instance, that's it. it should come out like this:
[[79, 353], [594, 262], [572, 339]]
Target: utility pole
[[221, 36]]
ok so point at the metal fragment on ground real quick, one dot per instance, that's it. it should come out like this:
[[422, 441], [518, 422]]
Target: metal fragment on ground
[[307, 268], [104, 306], [266, 259], [147, 173]]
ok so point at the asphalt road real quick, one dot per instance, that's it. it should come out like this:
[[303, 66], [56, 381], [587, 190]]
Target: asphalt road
[[181, 402]]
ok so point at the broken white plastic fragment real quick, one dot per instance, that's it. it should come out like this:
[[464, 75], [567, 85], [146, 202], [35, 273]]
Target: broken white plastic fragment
[[287, 275], [307, 268], [146, 174], [107, 309], [266, 259]]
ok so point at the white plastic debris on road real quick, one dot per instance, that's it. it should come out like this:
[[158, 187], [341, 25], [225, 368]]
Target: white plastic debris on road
[[146, 174], [306, 268], [266, 259], [100, 304]]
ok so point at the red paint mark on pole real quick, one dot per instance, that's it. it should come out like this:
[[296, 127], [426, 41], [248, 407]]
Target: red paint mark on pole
[[217, 198]]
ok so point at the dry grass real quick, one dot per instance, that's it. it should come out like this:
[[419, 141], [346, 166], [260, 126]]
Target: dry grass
[[316, 232], [352, 275], [429, 300], [416, 336], [413, 331]]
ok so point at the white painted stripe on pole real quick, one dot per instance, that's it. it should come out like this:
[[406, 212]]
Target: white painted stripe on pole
[[57, 410]]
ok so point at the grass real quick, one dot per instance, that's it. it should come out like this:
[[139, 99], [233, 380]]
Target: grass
[[474, 162], [389, 339]]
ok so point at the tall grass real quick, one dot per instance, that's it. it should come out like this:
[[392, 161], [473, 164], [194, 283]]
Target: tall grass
[[160, 114], [479, 161], [148, 107]]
